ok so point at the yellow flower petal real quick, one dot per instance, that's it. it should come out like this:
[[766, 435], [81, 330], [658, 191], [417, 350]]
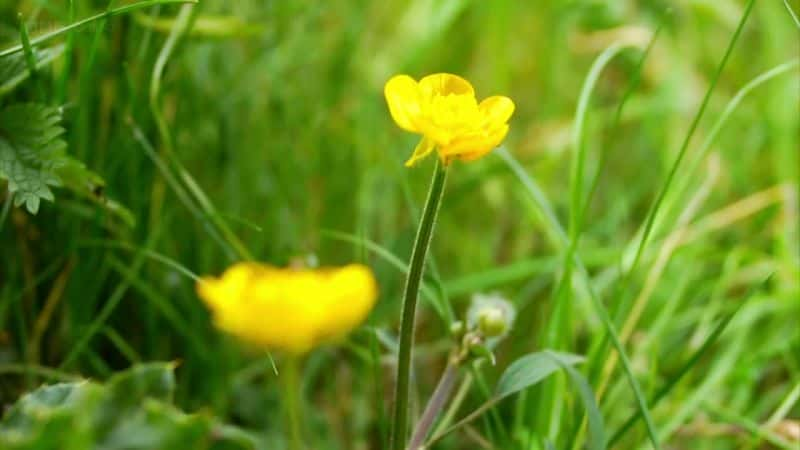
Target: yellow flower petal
[[444, 84], [291, 310], [355, 293], [403, 97], [443, 108], [475, 145], [424, 148], [497, 109]]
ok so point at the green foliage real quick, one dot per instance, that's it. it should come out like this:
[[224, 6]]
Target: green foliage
[[132, 410], [14, 70], [33, 155], [531, 369], [271, 118], [535, 367], [31, 152], [33, 159]]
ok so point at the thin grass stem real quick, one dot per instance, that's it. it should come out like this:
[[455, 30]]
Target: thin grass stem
[[81, 23]]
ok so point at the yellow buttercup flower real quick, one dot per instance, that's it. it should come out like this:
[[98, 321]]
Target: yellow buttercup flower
[[444, 110], [291, 310]]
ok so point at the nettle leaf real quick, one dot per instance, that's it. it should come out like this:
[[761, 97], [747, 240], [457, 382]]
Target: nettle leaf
[[33, 158], [31, 151], [14, 69]]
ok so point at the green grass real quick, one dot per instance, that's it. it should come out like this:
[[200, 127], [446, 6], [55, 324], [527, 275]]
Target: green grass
[[652, 200]]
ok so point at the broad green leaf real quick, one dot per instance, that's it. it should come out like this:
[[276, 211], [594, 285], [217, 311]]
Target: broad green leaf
[[42, 400], [50, 418], [131, 411], [521, 374], [152, 380], [531, 369]]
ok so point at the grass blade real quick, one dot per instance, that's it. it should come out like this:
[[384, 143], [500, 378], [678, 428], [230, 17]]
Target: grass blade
[[104, 15], [691, 362]]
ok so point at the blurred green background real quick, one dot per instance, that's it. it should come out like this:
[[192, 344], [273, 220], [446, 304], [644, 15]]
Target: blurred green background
[[274, 109]]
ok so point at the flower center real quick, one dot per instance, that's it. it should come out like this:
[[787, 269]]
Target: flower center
[[455, 112]]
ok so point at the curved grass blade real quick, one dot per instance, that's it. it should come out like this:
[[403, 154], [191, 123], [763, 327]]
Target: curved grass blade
[[691, 362], [155, 256], [792, 13], [656, 206], [597, 304], [81, 23]]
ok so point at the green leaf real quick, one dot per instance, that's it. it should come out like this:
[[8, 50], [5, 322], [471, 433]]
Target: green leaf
[[131, 411], [14, 70], [526, 372], [531, 369], [31, 151], [152, 380], [51, 418], [33, 158], [34, 405], [597, 429]]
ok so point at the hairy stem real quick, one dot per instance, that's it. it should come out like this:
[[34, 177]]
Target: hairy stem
[[416, 268]]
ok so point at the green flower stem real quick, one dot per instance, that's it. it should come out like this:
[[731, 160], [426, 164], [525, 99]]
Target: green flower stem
[[416, 268], [293, 401]]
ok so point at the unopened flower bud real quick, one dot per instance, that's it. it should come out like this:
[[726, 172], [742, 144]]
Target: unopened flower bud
[[491, 316], [457, 328], [492, 322]]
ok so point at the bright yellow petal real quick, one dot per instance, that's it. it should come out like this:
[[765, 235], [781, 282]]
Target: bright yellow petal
[[473, 146], [424, 148], [218, 292], [353, 291], [497, 109], [290, 310], [444, 84], [403, 97], [491, 142]]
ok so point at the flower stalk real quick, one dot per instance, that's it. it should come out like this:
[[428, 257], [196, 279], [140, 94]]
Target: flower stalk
[[293, 402], [436, 404], [410, 296]]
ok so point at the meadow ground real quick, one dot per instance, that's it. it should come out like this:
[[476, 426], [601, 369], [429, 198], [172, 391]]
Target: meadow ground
[[648, 186]]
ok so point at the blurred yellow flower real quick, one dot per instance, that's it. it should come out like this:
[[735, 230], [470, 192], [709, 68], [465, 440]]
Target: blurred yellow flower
[[443, 109], [291, 310]]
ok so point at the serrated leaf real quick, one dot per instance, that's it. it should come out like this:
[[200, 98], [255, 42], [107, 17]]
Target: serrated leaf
[[31, 151], [14, 69], [33, 158], [531, 369]]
